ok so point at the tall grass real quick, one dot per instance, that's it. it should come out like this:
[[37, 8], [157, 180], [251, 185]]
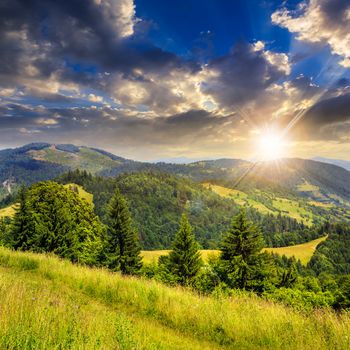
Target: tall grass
[[169, 318]]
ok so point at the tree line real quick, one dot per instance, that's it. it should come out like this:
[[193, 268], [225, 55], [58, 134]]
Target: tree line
[[52, 218]]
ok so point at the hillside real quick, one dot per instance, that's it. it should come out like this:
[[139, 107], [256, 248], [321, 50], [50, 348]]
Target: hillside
[[305, 190], [325, 183], [96, 311], [339, 162], [43, 161]]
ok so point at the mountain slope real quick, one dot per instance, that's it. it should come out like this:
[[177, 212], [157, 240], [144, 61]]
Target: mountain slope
[[339, 162], [325, 186], [43, 161]]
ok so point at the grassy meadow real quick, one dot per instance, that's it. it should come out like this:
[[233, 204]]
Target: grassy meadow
[[302, 252], [48, 303], [285, 206], [81, 192], [8, 211]]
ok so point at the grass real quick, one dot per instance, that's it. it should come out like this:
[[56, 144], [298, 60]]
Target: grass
[[46, 303], [239, 197], [286, 206], [149, 256], [8, 211], [307, 187], [303, 252], [87, 159], [294, 210], [81, 192]]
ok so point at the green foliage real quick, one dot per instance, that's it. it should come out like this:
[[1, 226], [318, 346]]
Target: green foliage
[[184, 260], [333, 255], [22, 227], [51, 218], [242, 263], [301, 299], [343, 293], [122, 248]]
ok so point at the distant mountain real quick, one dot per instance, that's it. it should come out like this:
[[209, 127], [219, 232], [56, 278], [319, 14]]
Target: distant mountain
[[314, 180], [340, 162], [180, 160], [43, 161]]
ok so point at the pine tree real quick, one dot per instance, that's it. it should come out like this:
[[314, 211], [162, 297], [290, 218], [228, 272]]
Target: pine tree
[[241, 259], [22, 228], [184, 260], [123, 247]]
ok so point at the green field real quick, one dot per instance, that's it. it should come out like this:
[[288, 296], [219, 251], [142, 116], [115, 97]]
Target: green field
[[47, 303], [285, 206], [87, 159], [294, 210], [239, 197], [149, 256], [302, 252], [8, 211], [81, 192]]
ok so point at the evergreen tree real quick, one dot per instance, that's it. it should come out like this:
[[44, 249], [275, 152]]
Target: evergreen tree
[[51, 218], [242, 263], [184, 260], [22, 226], [123, 247]]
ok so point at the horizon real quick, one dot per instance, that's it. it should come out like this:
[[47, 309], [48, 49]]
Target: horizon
[[187, 160], [245, 80]]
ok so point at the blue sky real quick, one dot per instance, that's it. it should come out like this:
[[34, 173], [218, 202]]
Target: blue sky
[[188, 78]]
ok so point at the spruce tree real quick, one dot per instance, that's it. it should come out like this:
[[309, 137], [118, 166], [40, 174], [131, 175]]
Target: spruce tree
[[123, 246], [22, 226], [243, 263], [184, 260]]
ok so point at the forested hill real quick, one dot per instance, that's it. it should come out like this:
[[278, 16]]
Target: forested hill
[[157, 199], [320, 182]]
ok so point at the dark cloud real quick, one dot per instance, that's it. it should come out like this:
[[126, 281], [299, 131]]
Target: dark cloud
[[47, 34], [243, 75], [329, 111]]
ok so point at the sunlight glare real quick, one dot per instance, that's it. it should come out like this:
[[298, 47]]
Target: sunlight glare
[[271, 146]]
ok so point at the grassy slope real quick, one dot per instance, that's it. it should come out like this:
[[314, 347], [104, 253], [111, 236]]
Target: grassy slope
[[8, 211], [303, 252], [87, 159], [149, 256], [239, 197], [48, 303], [81, 192], [286, 206]]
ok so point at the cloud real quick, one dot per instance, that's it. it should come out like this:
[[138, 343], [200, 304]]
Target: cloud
[[320, 21], [244, 75]]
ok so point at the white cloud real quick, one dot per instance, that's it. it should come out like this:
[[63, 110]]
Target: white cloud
[[320, 21]]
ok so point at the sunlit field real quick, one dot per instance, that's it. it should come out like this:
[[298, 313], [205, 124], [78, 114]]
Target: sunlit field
[[49, 303], [302, 252]]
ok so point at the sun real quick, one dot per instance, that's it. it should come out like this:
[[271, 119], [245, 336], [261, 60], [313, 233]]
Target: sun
[[271, 146]]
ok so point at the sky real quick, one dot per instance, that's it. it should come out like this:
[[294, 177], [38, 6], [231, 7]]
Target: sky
[[157, 79]]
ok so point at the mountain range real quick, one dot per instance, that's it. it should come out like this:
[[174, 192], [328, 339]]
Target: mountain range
[[304, 192], [316, 180]]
